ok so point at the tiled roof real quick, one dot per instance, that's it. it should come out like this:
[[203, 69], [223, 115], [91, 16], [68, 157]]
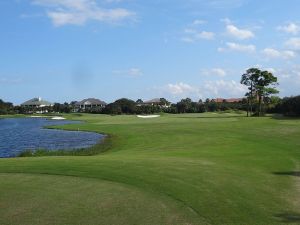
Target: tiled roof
[[230, 100], [37, 102], [92, 101], [155, 100]]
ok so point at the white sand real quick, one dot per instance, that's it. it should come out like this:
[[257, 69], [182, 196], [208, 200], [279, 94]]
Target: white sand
[[148, 117], [58, 118], [39, 116]]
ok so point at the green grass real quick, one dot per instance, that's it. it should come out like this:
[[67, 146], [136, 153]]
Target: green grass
[[176, 169]]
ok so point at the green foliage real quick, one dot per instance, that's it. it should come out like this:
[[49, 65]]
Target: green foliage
[[289, 106], [127, 106], [261, 85], [6, 107], [62, 108]]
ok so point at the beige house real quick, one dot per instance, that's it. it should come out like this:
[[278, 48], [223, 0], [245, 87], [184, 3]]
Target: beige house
[[89, 103]]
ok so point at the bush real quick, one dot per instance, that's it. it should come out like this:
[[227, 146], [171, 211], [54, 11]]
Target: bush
[[290, 106]]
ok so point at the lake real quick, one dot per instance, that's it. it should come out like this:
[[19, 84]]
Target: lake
[[20, 134]]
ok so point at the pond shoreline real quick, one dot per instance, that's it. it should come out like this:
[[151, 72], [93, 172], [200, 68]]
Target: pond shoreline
[[45, 142], [101, 147]]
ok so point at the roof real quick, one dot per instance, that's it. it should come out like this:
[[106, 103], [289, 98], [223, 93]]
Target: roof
[[37, 102], [91, 101], [230, 100], [155, 100]]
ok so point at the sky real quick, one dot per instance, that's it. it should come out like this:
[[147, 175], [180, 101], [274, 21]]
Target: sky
[[66, 50]]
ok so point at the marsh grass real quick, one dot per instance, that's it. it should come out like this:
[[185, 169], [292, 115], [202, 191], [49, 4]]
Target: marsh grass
[[104, 145]]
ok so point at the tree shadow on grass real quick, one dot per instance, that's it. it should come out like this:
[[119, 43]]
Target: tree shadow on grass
[[288, 217], [288, 173], [210, 117], [283, 117]]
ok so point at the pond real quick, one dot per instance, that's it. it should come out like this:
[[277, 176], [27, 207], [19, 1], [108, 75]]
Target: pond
[[21, 134]]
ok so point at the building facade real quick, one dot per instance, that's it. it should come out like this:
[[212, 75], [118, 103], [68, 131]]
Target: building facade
[[37, 105], [89, 104]]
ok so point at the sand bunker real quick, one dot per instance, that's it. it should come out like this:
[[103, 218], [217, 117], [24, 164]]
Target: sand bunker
[[58, 118], [148, 117]]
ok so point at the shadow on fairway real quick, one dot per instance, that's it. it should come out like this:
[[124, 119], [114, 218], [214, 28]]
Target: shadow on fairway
[[288, 217], [282, 117], [288, 173], [210, 117]]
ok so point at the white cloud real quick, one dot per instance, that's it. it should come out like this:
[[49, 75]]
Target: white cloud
[[238, 33], [293, 43], [132, 72], [291, 28], [195, 36], [214, 72], [198, 22], [135, 72], [289, 80], [226, 21], [209, 89], [5, 80], [205, 35], [180, 89], [79, 12], [224, 89], [192, 35], [273, 53], [289, 76], [238, 47]]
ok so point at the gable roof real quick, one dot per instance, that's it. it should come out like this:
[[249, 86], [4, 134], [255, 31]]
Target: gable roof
[[155, 100], [91, 101], [37, 102], [229, 100]]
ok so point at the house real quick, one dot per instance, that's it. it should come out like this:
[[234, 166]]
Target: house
[[228, 100], [37, 105], [89, 104], [158, 102]]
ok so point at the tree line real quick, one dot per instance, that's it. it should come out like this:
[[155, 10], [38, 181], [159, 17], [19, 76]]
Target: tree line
[[259, 99], [6, 107], [289, 106]]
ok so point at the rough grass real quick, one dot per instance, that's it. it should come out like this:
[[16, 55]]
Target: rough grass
[[183, 169]]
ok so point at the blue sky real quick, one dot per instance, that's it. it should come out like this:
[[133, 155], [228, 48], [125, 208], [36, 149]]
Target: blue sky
[[64, 50]]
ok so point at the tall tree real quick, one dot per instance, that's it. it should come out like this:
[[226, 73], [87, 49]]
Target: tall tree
[[265, 87], [249, 79], [261, 84]]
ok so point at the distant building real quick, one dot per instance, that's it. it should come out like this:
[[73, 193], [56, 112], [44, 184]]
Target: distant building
[[229, 100], [89, 103], [157, 102], [37, 105]]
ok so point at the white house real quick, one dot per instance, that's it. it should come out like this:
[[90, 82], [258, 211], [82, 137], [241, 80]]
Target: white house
[[37, 105]]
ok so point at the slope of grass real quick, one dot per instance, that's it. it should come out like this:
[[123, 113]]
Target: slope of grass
[[183, 169]]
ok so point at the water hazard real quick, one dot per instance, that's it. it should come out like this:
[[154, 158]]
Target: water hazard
[[21, 134]]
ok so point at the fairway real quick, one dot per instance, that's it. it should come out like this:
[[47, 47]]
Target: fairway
[[221, 168]]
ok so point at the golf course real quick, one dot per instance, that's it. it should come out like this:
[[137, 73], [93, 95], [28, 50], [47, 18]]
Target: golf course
[[176, 169]]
